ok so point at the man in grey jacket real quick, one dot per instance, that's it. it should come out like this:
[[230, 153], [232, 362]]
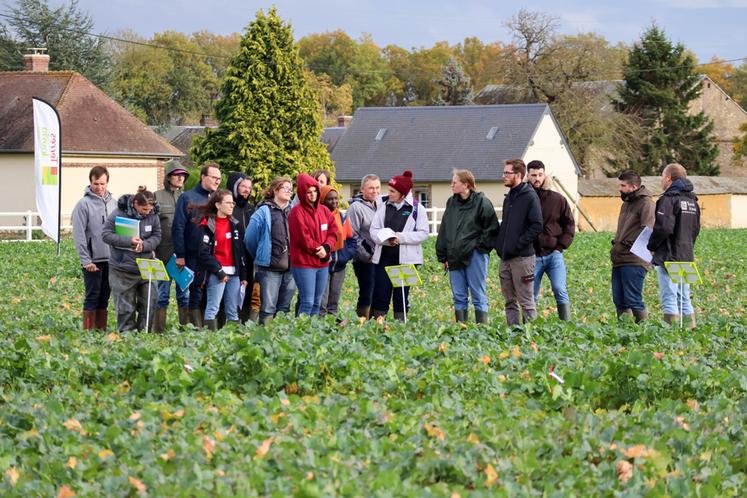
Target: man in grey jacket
[[89, 216], [360, 213], [173, 185]]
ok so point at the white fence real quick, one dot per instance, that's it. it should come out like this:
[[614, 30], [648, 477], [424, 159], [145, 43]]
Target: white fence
[[28, 221]]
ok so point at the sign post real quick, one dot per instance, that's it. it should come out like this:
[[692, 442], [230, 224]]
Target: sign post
[[403, 276], [150, 270], [683, 273]]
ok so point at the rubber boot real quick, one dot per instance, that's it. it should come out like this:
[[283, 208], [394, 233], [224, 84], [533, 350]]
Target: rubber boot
[[159, 322], [622, 314], [689, 321], [481, 317], [671, 318], [363, 311], [399, 315], [378, 313], [195, 318], [212, 324], [102, 317], [564, 312], [265, 320], [640, 315], [89, 320], [460, 316], [183, 317], [253, 316], [235, 322]]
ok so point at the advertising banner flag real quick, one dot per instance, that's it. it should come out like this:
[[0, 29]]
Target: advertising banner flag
[[47, 167]]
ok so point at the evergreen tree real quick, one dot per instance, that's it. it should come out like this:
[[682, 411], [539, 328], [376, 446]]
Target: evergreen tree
[[64, 33], [456, 85], [268, 114], [659, 84]]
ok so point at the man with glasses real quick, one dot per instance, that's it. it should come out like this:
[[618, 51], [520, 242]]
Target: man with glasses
[[186, 235], [520, 225]]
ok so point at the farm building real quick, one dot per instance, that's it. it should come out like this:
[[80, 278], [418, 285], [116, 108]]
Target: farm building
[[432, 141], [722, 200], [95, 131]]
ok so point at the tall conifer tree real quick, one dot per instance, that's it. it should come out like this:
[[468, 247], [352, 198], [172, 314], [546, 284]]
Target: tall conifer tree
[[268, 114], [660, 83]]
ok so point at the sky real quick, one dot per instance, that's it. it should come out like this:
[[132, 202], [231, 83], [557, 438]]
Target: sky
[[706, 27]]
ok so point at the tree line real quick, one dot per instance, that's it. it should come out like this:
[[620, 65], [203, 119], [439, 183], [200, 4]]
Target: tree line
[[175, 78]]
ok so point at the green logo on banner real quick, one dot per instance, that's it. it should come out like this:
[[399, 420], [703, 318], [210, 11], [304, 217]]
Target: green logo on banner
[[50, 175]]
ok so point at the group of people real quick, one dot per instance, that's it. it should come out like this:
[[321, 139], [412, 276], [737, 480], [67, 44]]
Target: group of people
[[250, 260]]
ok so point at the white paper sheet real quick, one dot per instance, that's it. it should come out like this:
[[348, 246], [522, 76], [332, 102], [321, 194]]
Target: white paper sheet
[[639, 246]]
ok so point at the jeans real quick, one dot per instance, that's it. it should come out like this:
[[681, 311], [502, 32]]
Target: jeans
[[517, 285], [311, 283], [332, 293], [473, 278], [670, 294], [385, 291], [276, 289], [228, 291], [366, 275], [554, 265], [130, 294], [97, 287], [627, 287], [164, 294]]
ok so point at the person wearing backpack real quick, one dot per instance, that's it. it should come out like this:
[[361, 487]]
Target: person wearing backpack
[[398, 232]]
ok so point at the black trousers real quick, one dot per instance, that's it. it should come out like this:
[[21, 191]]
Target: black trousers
[[97, 288]]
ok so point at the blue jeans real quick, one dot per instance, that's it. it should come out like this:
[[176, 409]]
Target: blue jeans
[[164, 294], [670, 295], [311, 283], [276, 289], [366, 275], [554, 265], [473, 278], [228, 291], [627, 287]]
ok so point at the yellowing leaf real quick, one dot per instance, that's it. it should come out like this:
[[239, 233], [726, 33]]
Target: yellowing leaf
[[168, 455], [12, 474], [105, 453], [624, 470], [264, 448], [434, 431], [637, 451], [113, 337], [72, 462], [472, 438], [135, 416], [220, 473], [141, 488], [503, 355], [681, 422], [534, 347], [442, 347], [15, 300], [658, 355], [501, 378], [73, 425], [29, 434], [516, 352], [43, 338], [485, 359], [693, 405], [309, 476], [208, 446], [65, 492], [291, 388], [284, 401], [362, 320], [491, 476], [276, 417]]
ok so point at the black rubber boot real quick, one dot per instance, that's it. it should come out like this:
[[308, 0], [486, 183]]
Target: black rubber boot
[[640, 315], [460, 316], [564, 312], [212, 324], [481, 317]]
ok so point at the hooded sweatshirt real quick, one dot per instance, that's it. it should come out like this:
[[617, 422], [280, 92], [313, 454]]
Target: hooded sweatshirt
[[89, 216], [167, 199], [677, 224], [244, 208], [122, 257], [310, 226]]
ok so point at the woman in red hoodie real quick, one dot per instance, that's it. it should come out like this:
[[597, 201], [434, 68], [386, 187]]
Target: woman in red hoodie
[[221, 257], [313, 232]]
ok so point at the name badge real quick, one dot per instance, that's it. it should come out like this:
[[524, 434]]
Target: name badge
[[324, 226], [206, 239], [228, 235], [148, 228]]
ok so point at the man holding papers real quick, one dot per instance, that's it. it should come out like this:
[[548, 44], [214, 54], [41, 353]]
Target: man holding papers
[[629, 270]]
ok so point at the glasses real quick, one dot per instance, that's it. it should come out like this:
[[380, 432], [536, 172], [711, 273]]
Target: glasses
[[510, 173], [286, 189], [214, 178]]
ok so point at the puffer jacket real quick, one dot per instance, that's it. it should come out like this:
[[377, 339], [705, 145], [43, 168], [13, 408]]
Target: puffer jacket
[[89, 217], [122, 257], [636, 212], [677, 224], [467, 224]]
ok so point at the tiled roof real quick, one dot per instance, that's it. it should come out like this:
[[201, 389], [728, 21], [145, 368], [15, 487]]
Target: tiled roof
[[92, 122], [332, 135], [431, 141], [704, 185]]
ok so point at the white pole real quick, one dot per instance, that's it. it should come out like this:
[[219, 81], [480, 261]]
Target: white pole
[[147, 308], [29, 225], [682, 287], [404, 304]]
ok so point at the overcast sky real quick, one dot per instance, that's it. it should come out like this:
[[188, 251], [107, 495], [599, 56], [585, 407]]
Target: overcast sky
[[707, 27]]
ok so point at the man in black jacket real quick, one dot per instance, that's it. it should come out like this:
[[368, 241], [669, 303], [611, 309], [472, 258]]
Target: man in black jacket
[[520, 226], [558, 229], [673, 239], [240, 186]]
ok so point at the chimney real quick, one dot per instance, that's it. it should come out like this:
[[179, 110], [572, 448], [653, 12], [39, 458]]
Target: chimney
[[344, 121], [38, 61]]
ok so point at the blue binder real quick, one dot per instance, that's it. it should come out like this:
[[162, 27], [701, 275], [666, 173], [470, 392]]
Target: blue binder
[[183, 277]]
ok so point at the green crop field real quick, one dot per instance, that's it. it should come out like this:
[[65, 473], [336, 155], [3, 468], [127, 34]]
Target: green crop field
[[304, 408]]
